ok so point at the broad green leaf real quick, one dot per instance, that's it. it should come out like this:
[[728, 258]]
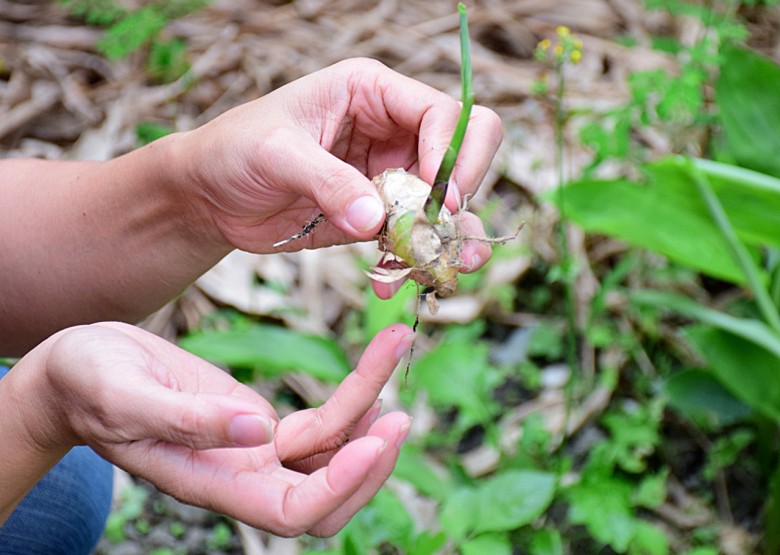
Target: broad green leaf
[[751, 199], [513, 499], [648, 540], [700, 397], [459, 514], [413, 467], [603, 505], [547, 541], [667, 217], [666, 213], [456, 374], [748, 95], [271, 350], [495, 544], [652, 490], [751, 372], [754, 331], [428, 543], [383, 520], [505, 502]]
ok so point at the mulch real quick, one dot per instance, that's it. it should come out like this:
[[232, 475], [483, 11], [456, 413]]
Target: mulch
[[61, 99]]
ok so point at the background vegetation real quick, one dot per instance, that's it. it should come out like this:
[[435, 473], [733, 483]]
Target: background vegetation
[[609, 383]]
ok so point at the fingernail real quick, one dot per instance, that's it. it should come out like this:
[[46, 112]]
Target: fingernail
[[365, 213], [250, 430], [402, 434], [455, 193], [373, 412], [404, 346]]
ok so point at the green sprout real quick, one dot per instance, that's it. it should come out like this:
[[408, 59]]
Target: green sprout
[[439, 190]]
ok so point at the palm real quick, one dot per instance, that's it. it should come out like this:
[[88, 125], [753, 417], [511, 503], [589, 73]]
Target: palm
[[162, 413]]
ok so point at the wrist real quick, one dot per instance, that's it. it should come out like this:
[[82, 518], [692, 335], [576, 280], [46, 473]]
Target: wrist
[[169, 165], [30, 438], [42, 419]]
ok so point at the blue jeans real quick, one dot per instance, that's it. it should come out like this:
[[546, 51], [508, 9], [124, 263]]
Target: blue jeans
[[65, 512]]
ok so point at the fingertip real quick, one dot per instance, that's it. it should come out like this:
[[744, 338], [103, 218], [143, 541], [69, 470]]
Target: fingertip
[[404, 346], [403, 433], [386, 291], [454, 198]]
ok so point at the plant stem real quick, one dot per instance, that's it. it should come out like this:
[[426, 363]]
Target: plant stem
[[439, 190], [738, 249], [563, 241]]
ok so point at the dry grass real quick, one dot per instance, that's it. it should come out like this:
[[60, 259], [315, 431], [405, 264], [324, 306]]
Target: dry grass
[[59, 98]]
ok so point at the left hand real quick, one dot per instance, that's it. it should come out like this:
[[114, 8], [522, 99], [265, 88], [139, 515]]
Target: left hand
[[192, 430]]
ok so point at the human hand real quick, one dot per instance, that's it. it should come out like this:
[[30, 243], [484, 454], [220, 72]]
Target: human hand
[[266, 168], [191, 429]]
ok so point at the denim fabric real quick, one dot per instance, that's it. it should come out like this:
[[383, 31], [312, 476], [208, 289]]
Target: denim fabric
[[65, 512]]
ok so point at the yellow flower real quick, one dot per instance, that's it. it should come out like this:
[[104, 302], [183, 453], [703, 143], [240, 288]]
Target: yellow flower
[[575, 56], [544, 44], [563, 31]]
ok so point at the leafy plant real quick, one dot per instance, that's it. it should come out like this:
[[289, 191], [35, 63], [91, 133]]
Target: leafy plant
[[129, 509], [130, 31], [721, 220]]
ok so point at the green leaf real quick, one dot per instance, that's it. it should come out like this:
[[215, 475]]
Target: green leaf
[[495, 544], [131, 33], [699, 396], [651, 491], [648, 540], [428, 543], [547, 541], [270, 349], [749, 198], [456, 374], [603, 505], [748, 95], [513, 499], [413, 467], [505, 502], [167, 60], [667, 215], [459, 514], [751, 372], [149, 131], [383, 520], [754, 331]]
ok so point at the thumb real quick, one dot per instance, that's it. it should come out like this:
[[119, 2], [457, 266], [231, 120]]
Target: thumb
[[201, 420], [343, 193]]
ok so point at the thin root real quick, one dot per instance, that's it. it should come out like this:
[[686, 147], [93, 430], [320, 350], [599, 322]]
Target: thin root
[[414, 340], [306, 228], [495, 240]]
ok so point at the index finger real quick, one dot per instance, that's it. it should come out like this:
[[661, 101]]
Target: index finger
[[432, 116], [309, 432]]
